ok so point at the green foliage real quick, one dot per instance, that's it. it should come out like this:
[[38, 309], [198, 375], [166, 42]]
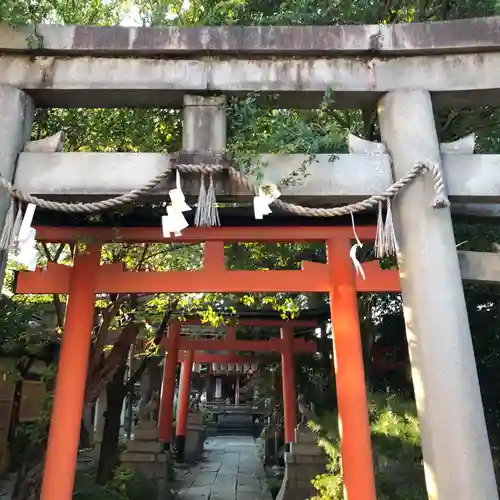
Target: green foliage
[[397, 452], [256, 128], [20, 334], [125, 485], [99, 12], [306, 12]]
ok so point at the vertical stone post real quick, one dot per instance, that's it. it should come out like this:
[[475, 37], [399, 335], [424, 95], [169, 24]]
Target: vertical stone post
[[204, 124], [456, 450], [100, 409], [288, 383], [354, 427], [168, 385], [183, 404], [64, 434], [237, 391], [16, 118]]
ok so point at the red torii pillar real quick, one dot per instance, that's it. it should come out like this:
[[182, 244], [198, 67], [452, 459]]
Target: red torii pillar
[[354, 427], [168, 385], [64, 435], [288, 383], [183, 404]]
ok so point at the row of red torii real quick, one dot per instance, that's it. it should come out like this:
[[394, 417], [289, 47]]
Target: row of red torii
[[189, 351], [87, 277]]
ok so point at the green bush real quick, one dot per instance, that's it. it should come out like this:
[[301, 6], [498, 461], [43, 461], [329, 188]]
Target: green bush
[[125, 485], [397, 453]]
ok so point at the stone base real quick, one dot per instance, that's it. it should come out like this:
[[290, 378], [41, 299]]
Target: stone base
[[303, 463], [144, 455], [195, 440], [190, 447], [146, 431]]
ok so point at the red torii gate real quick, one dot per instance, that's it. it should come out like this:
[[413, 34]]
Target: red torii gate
[[287, 346], [87, 277]]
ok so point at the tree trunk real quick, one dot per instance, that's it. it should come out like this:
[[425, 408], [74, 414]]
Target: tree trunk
[[109, 446]]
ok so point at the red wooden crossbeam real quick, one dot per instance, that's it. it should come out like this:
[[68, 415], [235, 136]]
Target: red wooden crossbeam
[[214, 277], [206, 357], [305, 323], [112, 278], [300, 345]]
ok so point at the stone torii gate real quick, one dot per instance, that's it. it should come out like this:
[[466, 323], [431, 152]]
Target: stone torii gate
[[401, 70]]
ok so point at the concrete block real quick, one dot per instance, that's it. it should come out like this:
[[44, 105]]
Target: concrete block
[[195, 418], [136, 445], [305, 449], [145, 434], [137, 457]]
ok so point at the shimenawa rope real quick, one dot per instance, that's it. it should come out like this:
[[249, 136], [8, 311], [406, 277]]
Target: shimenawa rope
[[439, 201]]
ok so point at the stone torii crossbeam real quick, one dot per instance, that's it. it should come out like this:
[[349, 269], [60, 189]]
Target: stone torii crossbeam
[[403, 70]]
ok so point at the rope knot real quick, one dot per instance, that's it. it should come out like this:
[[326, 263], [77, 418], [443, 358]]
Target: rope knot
[[441, 199]]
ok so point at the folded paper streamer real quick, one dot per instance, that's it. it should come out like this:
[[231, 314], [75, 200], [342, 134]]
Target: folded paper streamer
[[24, 247], [354, 249], [177, 198], [268, 192], [174, 222]]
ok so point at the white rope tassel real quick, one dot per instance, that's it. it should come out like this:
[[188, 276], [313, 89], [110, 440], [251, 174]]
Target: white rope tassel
[[380, 235], [354, 249], [390, 241], [213, 212], [207, 214], [7, 237], [202, 201]]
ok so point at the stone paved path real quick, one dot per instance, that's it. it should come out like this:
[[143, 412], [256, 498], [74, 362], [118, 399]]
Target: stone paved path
[[232, 470]]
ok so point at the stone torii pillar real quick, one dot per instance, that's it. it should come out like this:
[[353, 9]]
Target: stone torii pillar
[[16, 118], [457, 456]]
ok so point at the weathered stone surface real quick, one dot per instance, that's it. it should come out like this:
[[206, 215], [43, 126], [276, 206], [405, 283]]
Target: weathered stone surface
[[16, 116], [480, 266], [195, 439], [51, 144], [227, 454], [204, 124], [195, 418], [469, 177], [303, 463], [454, 80], [444, 372], [398, 39], [146, 434], [137, 446], [127, 456], [205, 479]]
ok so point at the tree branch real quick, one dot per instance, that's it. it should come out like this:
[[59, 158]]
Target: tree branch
[[164, 322], [55, 297], [136, 376]]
